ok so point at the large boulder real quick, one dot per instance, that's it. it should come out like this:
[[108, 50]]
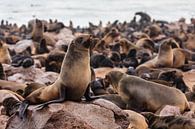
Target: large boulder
[[71, 115]]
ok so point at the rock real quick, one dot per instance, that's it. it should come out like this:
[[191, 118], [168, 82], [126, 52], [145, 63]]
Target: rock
[[22, 46], [67, 115], [137, 121], [169, 110], [31, 74], [65, 35], [120, 115]]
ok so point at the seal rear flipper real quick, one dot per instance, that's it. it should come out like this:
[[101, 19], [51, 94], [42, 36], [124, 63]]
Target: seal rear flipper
[[62, 98], [22, 109]]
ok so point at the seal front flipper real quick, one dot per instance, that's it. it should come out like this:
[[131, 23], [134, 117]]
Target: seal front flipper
[[22, 109], [88, 95], [62, 98]]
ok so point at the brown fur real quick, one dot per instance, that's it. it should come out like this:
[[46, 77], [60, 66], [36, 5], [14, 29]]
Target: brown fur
[[38, 33], [111, 36], [126, 45], [146, 43], [190, 43], [101, 72], [7, 93], [181, 56], [4, 53], [137, 121], [116, 99], [164, 57], [168, 122], [153, 30], [13, 86], [76, 59], [31, 88], [145, 95]]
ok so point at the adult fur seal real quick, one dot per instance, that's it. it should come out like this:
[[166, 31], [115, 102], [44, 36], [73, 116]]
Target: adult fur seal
[[145, 95], [164, 57], [168, 122], [4, 53], [71, 84]]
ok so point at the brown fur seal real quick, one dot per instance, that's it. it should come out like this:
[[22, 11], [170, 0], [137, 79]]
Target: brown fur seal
[[116, 99], [164, 57], [54, 61], [145, 95], [137, 121], [126, 46], [31, 87], [101, 72], [13, 86], [146, 43], [71, 84], [168, 122], [7, 93], [4, 53], [190, 43], [38, 33], [181, 56], [10, 105], [111, 36]]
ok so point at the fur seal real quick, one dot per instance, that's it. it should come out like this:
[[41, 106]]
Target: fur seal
[[54, 61], [4, 53], [111, 36], [190, 43], [181, 56], [168, 122], [68, 86], [143, 94], [164, 57], [137, 121], [12, 86], [99, 60], [38, 33]]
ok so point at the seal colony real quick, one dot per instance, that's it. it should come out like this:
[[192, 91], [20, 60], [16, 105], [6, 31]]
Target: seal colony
[[137, 65]]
